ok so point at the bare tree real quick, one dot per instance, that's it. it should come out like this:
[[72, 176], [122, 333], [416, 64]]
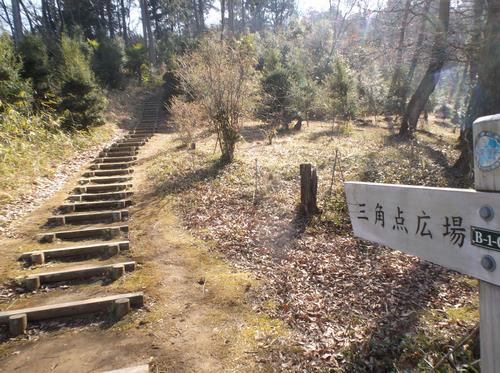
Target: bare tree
[[17, 22], [222, 18], [123, 14], [428, 84], [420, 41], [6, 16], [147, 31]]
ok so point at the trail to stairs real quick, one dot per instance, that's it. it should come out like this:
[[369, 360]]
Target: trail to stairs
[[91, 223]]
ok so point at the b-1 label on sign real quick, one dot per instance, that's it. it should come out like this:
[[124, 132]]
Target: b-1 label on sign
[[485, 238]]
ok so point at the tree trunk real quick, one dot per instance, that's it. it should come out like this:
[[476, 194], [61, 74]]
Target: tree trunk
[[473, 50], [146, 29], [6, 16], [426, 87], [222, 15], [396, 92], [124, 23], [143, 19], [16, 20], [49, 19], [485, 98], [156, 19], [230, 12], [196, 16], [28, 17], [109, 11], [420, 42], [243, 16], [201, 16]]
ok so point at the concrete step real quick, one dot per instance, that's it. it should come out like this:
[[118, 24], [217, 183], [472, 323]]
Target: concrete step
[[102, 188], [113, 271], [106, 233], [18, 319], [100, 196], [102, 249], [89, 217], [112, 166], [115, 159], [106, 179], [95, 205]]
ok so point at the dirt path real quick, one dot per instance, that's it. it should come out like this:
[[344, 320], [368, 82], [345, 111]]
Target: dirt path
[[197, 316]]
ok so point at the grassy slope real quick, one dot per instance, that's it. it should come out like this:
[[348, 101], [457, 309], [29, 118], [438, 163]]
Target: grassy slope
[[389, 313], [28, 150]]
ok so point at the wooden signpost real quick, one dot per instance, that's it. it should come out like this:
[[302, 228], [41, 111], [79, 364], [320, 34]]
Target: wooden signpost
[[455, 228]]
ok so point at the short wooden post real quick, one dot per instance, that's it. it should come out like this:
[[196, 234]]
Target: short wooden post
[[38, 258], [487, 178], [18, 324], [308, 190], [32, 283], [121, 308], [117, 271]]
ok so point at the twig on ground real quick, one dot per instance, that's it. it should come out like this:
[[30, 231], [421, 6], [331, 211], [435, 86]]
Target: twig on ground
[[256, 187], [465, 339]]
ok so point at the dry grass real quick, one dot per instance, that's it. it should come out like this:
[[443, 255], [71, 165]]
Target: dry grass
[[352, 306]]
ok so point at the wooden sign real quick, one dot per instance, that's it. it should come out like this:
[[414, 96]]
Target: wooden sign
[[440, 225], [456, 228]]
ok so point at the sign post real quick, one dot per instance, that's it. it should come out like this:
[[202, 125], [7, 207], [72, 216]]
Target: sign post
[[456, 228], [487, 178]]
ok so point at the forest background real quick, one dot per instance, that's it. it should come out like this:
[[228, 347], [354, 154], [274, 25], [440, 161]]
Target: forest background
[[355, 64]]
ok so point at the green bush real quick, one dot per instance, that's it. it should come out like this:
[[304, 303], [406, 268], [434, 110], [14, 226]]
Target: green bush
[[304, 94], [108, 61], [137, 60], [13, 89], [82, 103], [342, 92], [35, 61], [171, 86], [276, 101]]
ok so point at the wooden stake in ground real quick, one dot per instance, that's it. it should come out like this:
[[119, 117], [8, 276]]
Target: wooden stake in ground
[[308, 190], [487, 178]]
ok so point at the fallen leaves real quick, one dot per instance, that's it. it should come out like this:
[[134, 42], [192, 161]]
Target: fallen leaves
[[352, 306]]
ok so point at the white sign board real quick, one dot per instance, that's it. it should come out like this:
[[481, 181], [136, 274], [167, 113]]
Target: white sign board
[[440, 225]]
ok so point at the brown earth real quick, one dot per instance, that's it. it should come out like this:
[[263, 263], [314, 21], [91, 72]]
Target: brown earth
[[197, 314]]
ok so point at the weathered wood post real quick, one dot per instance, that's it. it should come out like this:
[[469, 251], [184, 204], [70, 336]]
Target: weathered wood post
[[18, 324], [487, 178], [308, 189]]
